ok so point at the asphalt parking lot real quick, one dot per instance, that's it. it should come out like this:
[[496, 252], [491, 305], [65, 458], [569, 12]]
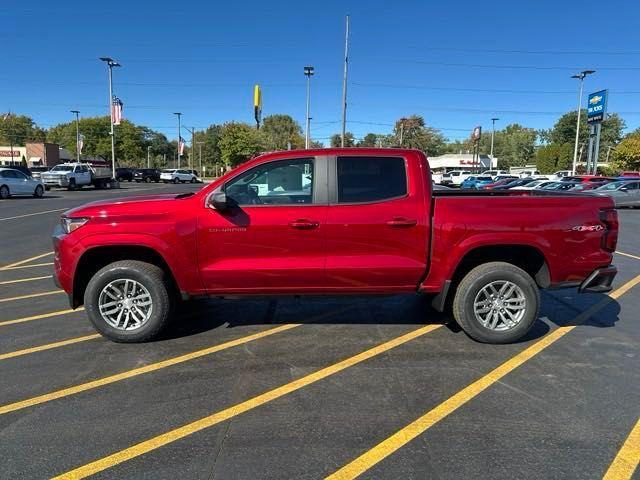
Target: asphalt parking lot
[[314, 388]]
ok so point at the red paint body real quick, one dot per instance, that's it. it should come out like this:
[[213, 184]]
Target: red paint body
[[408, 244]]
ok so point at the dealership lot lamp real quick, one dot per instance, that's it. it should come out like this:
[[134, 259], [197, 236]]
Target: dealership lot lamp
[[308, 71], [580, 76]]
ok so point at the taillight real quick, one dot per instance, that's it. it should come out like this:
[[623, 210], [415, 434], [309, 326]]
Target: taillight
[[610, 238]]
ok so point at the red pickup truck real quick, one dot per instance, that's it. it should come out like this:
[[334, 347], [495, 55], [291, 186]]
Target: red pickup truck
[[334, 222]]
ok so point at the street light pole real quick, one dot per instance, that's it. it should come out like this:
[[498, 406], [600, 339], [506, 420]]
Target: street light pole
[[111, 63], [579, 76], [179, 114], [148, 156], [77, 113], [308, 71], [493, 132], [200, 155]]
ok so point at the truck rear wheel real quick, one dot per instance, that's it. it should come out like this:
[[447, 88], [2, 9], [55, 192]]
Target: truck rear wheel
[[128, 301], [496, 302]]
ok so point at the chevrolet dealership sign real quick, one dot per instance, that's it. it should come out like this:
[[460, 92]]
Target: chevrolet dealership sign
[[597, 106]]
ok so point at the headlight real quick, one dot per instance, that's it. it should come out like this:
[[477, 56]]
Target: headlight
[[71, 224]]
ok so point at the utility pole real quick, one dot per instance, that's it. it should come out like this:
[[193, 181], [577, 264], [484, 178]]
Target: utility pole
[[608, 152], [111, 64], [580, 76], [77, 113], [344, 82], [401, 130], [148, 156], [308, 71], [493, 132], [200, 155], [179, 114]]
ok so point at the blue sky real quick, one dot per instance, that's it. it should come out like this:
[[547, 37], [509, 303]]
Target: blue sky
[[442, 60]]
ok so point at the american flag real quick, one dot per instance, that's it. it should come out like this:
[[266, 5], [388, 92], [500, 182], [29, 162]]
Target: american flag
[[181, 146], [116, 110]]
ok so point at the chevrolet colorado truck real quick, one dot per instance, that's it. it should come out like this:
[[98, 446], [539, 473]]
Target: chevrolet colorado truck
[[334, 222]]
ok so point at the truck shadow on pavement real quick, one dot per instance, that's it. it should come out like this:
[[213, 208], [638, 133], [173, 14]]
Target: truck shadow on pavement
[[199, 316]]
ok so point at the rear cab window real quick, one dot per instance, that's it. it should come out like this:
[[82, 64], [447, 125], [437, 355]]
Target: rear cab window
[[362, 179]]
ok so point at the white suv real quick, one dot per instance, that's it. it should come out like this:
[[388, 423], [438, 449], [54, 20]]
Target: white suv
[[177, 176]]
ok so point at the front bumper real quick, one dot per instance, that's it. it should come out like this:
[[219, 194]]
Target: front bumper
[[56, 182], [599, 281]]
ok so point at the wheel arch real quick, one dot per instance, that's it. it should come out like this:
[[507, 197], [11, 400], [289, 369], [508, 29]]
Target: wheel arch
[[527, 257], [95, 258]]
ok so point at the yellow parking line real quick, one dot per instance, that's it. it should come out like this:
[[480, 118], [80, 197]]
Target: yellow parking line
[[40, 316], [628, 255], [101, 382], [26, 266], [49, 346], [21, 280], [32, 214], [26, 260], [31, 295], [235, 410], [627, 459], [403, 436]]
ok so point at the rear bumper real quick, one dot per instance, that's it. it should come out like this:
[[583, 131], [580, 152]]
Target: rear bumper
[[599, 281]]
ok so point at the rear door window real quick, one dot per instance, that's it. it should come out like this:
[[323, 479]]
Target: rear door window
[[370, 179]]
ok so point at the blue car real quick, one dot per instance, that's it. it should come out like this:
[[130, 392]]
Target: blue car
[[476, 182]]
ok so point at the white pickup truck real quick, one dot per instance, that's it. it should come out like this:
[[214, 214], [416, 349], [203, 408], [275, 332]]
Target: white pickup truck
[[76, 175], [455, 178]]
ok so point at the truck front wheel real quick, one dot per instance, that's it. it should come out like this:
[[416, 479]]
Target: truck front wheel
[[496, 302], [128, 301]]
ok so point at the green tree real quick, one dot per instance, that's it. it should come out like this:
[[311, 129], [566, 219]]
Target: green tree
[[369, 140], [19, 129], [513, 146], [280, 131], [349, 140], [239, 142], [626, 156], [211, 155], [553, 157], [564, 130], [414, 133]]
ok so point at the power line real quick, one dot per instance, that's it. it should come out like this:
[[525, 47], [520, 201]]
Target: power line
[[481, 65], [488, 90], [534, 52]]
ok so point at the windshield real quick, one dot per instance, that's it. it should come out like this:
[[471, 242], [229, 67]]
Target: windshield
[[62, 168]]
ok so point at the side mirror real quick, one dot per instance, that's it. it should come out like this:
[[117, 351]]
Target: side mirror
[[219, 201]]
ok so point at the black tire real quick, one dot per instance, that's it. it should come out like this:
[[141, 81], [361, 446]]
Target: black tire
[[38, 192], [176, 180], [475, 281], [4, 192], [147, 180], [47, 188], [152, 278], [72, 184], [120, 179], [193, 180]]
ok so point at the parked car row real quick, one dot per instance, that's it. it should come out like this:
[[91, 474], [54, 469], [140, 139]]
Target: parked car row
[[625, 190]]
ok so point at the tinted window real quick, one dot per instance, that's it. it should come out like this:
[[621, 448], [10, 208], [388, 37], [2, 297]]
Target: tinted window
[[283, 182], [370, 179]]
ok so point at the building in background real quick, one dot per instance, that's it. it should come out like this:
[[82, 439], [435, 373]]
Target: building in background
[[461, 161], [31, 155]]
